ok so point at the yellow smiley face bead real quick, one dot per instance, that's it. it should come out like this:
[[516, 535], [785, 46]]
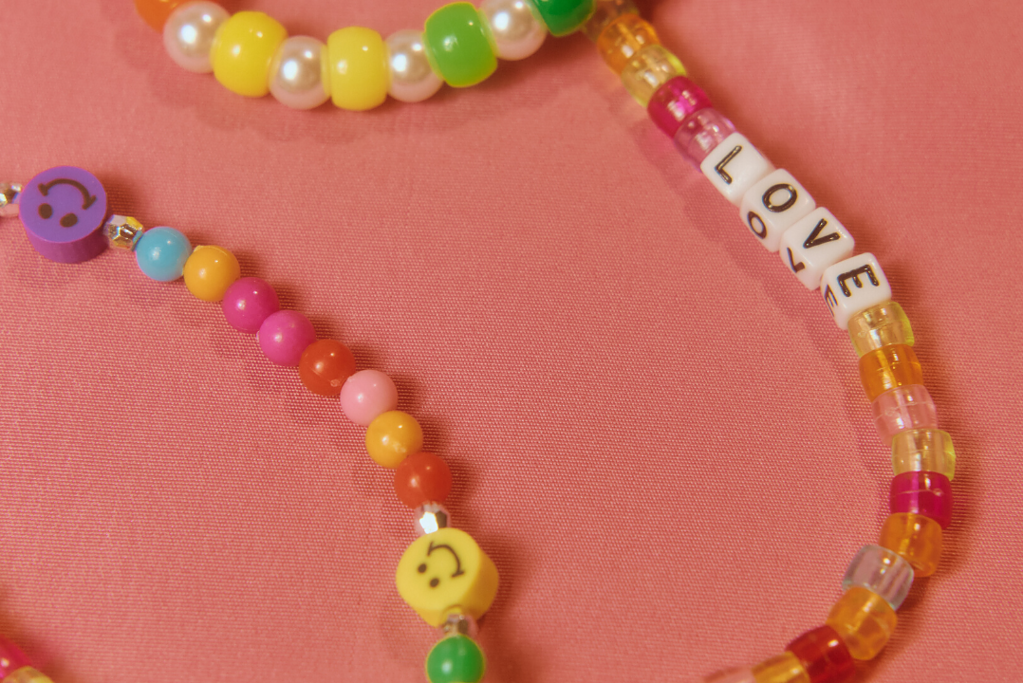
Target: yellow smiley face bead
[[446, 571]]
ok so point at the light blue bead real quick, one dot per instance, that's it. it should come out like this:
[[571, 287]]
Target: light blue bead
[[882, 571], [162, 252]]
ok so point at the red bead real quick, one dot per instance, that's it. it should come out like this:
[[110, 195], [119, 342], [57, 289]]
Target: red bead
[[824, 656], [324, 367], [422, 478]]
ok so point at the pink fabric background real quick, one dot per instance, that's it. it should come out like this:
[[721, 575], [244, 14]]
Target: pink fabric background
[[656, 432]]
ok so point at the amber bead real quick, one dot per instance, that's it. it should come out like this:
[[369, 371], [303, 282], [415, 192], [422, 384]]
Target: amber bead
[[623, 38], [324, 367], [916, 538], [422, 478], [155, 12], [889, 367], [824, 656], [783, 668], [864, 620]]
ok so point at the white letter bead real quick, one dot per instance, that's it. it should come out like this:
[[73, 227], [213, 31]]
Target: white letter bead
[[734, 166], [772, 205], [853, 285], [813, 244]]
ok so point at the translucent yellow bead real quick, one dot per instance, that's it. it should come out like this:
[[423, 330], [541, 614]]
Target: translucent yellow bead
[[27, 674], [924, 450], [393, 436], [604, 12], [879, 326], [917, 539], [209, 271], [357, 68], [864, 620], [623, 38], [446, 571], [652, 67], [243, 50], [784, 668]]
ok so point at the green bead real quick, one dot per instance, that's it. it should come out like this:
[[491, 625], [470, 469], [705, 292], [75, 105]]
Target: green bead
[[458, 46], [564, 16], [455, 659]]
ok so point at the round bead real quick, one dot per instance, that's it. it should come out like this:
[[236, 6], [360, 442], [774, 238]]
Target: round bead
[[924, 450], [455, 659], [515, 27], [63, 210], [298, 73], [916, 538], [652, 67], [189, 33], [882, 571], [700, 133], [902, 408], [393, 436], [161, 254], [924, 493], [864, 621], [324, 367], [366, 395], [243, 50], [248, 302], [155, 12], [209, 271], [430, 518], [284, 335], [421, 478], [878, 326], [564, 16], [824, 656], [674, 102], [623, 38], [457, 45], [11, 658], [889, 367], [412, 77], [357, 65]]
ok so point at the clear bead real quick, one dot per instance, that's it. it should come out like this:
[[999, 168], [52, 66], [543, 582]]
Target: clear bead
[[924, 450], [882, 571], [123, 232], [430, 517], [9, 196], [700, 133], [460, 624]]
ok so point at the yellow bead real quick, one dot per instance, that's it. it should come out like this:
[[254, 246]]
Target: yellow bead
[[357, 67], [243, 50], [784, 668], [880, 325], [924, 450], [864, 620], [209, 271], [623, 38], [652, 67], [392, 436], [27, 674], [444, 572], [914, 537], [888, 367]]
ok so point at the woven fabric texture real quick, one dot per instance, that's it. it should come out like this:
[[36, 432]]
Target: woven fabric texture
[[656, 432]]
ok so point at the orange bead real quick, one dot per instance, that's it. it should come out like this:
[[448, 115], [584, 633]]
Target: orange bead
[[155, 12], [917, 539], [393, 436], [324, 367], [864, 620], [889, 367], [623, 38]]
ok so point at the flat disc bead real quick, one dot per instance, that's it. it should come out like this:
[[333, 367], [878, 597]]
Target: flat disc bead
[[412, 78], [155, 12], [284, 335], [458, 46], [357, 65], [209, 271], [63, 210], [421, 478], [366, 395], [248, 302], [392, 437], [190, 32], [515, 27], [243, 51], [161, 254], [298, 73], [564, 16], [324, 367]]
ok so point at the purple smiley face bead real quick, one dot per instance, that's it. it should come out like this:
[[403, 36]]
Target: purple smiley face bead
[[63, 210]]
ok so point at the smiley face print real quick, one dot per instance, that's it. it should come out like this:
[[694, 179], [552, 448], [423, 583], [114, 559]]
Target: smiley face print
[[445, 570], [63, 210]]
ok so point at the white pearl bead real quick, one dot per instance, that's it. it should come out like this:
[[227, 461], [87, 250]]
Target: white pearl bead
[[296, 73], [189, 32], [516, 30], [412, 78]]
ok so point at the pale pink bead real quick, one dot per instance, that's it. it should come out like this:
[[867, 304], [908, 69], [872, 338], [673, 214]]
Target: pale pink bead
[[284, 335], [901, 408], [366, 395]]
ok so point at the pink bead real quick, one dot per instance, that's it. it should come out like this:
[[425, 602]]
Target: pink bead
[[700, 133], [11, 658], [248, 302], [923, 493], [366, 395], [284, 335], [674, 101], [901, 408]]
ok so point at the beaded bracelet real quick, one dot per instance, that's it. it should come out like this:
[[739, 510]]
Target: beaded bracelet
[[64, 212]]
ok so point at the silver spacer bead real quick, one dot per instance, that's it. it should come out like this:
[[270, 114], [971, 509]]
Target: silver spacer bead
[[430, 517], [123, 232], [458, 624], [9, 195]]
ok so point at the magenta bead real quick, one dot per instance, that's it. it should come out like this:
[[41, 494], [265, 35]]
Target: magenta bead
[[284, 335], [366, 395], [700, 133], [11, 658], [902, 408], [248, 302], [924, 493], [674, 101]]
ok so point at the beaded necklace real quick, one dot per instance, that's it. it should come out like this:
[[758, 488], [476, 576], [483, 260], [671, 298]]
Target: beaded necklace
[[444, 575]]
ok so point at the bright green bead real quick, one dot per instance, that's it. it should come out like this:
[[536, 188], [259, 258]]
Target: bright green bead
[[564, 16], [457, 45], [456, 659]]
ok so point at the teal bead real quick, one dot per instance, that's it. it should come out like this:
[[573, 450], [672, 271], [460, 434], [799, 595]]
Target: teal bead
[[458, 46], [564, 16], [455, 659], [161, 253]]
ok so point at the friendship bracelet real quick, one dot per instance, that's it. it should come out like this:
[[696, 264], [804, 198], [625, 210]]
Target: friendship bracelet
[[444, 575]]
